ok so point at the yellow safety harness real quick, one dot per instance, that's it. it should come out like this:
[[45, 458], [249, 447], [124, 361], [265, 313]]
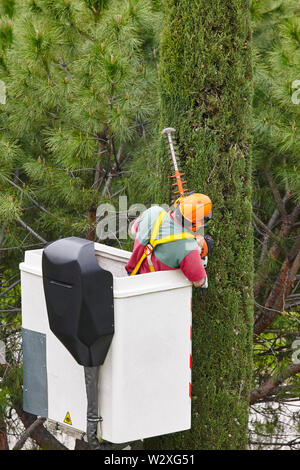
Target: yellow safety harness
[[153, 242]]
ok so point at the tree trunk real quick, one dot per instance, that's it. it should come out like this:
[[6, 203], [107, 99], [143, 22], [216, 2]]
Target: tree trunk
[[206, 94], [3, 436], [90, 235]]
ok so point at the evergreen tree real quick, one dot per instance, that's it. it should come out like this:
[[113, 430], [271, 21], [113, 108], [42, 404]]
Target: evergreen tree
[[276, 144], [80, 93], [206, 92], [8, 326], [80, 90], [276, 202]]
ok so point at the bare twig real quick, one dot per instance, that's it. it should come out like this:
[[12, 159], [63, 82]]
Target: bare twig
[[266, 228]]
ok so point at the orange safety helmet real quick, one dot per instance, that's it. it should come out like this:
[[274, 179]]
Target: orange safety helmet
[[193, 210]]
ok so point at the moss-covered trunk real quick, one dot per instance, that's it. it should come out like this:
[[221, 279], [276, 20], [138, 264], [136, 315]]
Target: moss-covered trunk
[[206, 92]]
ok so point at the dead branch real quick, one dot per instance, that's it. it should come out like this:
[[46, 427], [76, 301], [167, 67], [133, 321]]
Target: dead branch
[[274, 252], [270, 385], [266, 228], [277, 196], [270, 226], [280, 290], [38, 422], [40, 435]]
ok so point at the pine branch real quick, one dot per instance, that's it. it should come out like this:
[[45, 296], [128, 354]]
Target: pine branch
[[274, 252], [2, 232], [270, 226], [280, 290], [113, 170], [277, 196], [30, 230], [46, 67], [295, 214], [36, 203], [270, 385], [98, 179], [65, 67], [266, 228]]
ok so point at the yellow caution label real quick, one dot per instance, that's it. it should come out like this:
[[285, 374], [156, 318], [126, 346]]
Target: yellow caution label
[[68, 418]]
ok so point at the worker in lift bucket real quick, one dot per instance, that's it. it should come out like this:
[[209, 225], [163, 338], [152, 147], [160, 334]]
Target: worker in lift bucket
[[171, 240]]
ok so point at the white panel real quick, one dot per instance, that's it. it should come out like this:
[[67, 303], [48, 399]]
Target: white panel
[[144, 382], [147, 393], [66, 385], [34, 313]]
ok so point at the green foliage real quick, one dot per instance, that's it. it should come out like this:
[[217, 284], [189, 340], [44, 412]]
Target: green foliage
[[7, 8], [81, 90], [277, 117], [97, 5], [10, 373], [81, 79], [276, 153], [206, 93], [80, 85]]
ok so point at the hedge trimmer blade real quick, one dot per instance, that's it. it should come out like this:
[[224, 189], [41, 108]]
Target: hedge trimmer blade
[[179, 183]]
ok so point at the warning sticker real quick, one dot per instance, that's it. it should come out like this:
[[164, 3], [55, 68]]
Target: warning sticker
[[68, 418]]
